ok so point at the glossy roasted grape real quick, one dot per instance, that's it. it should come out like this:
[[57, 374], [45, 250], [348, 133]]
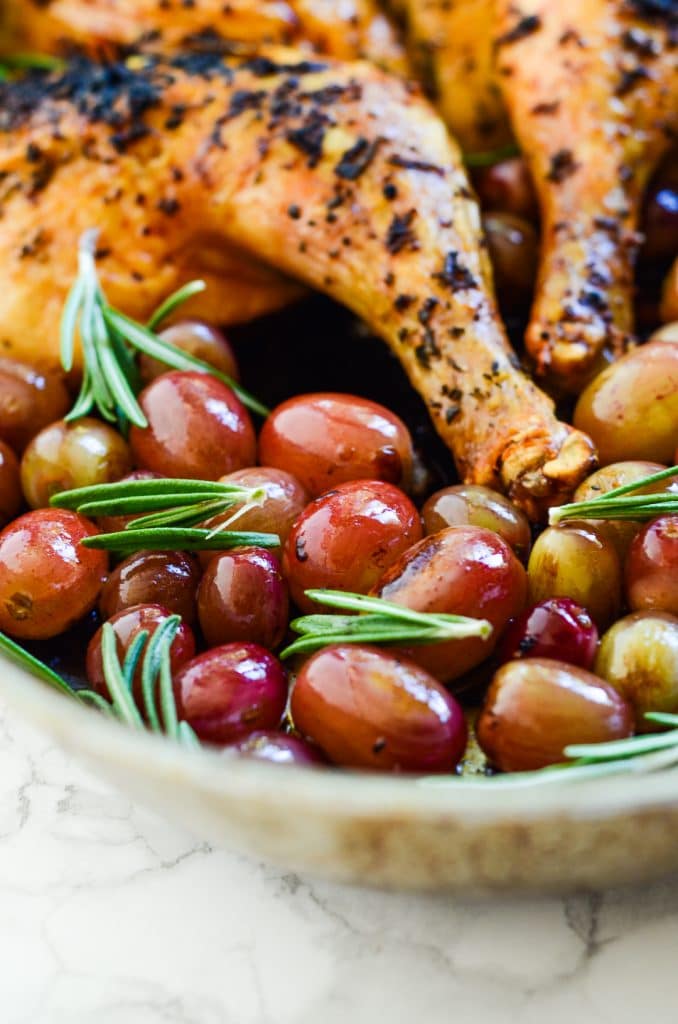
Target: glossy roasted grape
[[639, 657], [464, 570], [10, 484], [618, 474], [243, 597], [127, 625], [29, 400], [652, 567], [631, 408], [197, 428], [168, 578], [366, 708], [347, 538], [285, 499], [278, 748], [507, 186], [328, 439], [557, 628], [514, 248], [537, 707], [575, 561], [472, 505], [230, 692], [48, 580], [67, 455], [199, 339]]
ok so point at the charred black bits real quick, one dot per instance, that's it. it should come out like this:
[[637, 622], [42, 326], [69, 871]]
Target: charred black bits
[[454, 275], [300, 550], [400, 232], [563, 165], [357, 159], [525, 27], [309, 138]]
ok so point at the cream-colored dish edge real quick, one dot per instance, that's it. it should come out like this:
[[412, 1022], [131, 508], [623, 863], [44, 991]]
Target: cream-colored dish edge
[[378, 830]]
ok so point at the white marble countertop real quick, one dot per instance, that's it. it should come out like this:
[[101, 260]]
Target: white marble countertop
[[108, 914]]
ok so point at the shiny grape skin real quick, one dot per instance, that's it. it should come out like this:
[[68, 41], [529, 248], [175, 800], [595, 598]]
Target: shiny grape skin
[[48, 580], [68, 455], [198, 339], [652, 567], [347, 538], [127, 624], [243, 597], [327, 439], [536, 707], [168, 578], [473, 505], [11, 497], [464, 570], [278, 748], [198, 428], [231, 691], [631, 408], [575, 561], [618, 474], [284, 501], [639, 657], [367, 708], [558, 629], [29, 401]]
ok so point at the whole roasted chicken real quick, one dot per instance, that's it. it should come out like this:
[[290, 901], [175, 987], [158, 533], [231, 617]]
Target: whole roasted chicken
[[338, 174]]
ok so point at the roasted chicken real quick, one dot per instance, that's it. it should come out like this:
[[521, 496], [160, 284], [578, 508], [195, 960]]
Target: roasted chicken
[[339, 175], [592, 87], [348, 30], [453, 54]]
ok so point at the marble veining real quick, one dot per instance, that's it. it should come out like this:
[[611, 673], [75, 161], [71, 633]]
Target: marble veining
[[109, 914]]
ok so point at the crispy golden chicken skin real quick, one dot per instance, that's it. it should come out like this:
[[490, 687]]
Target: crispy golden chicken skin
[[338, 175], [592, 87], [453, 53], [348, 30]]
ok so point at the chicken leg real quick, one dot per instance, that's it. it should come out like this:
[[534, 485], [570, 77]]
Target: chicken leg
[[339, 175], [592, 88]]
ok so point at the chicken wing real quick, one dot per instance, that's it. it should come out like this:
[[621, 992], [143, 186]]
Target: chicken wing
[[592, 87], [348, 30], [452, 48], [339, 175]]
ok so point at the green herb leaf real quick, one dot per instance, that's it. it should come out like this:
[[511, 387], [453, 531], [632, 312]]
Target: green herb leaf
[[381, 622], [166, 502], [623, 502], [111, 341], [176, 299], [23, 659], [178, 539], [492, 156]]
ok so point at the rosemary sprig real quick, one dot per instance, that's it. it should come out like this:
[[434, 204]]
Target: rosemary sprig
[[13, 64], [166, 502], [623, 502], [175, 538], [492, 156], [381, 622], [110, 341], [158, 692]]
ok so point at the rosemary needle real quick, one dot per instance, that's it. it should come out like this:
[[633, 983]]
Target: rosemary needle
[[153, 653], [111, 340], [381, 622], [624, 502]]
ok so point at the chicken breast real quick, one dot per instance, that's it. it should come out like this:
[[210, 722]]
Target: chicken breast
[[337, 174]]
